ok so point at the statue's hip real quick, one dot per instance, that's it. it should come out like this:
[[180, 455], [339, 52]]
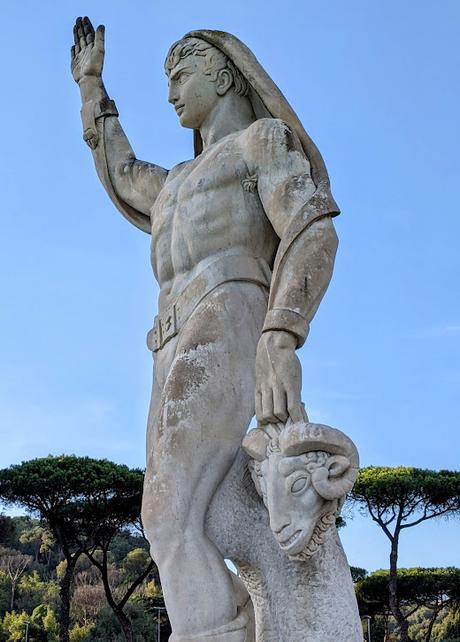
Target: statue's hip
[[171, 319]]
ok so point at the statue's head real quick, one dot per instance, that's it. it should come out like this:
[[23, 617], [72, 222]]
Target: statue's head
[[303, 472], [199, 76]]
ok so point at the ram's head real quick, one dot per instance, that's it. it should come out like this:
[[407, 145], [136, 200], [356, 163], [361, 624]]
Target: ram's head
[[303, 472]]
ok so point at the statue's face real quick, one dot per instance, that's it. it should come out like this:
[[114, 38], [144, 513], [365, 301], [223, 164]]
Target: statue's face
[[294, 506], [192, 92]]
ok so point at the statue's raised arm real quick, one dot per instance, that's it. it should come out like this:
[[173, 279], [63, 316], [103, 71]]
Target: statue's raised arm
[[132, 185]]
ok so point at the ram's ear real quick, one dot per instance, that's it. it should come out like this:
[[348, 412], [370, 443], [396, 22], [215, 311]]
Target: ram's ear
[[255, 444], [335, 479], [256, 476]]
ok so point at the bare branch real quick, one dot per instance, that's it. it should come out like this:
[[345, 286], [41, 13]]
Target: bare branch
[[426, 517]]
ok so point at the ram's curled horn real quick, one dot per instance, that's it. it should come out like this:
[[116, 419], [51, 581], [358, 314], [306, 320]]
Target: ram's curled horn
[[336, 478], [298, 438]]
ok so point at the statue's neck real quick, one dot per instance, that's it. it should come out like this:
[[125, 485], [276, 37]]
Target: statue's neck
[[232, 113]]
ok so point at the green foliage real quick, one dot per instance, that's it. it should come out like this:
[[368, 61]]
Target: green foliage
[[33, 590], [378, 629], [7, 531], [44, 617], [399, 498], [448, 627], [429, 587], [81, 633], [108, 627], [39, 540], [5, 593], [357, 573], [14, 626], [384, 490], [124, 542], [135, 563], [152, 591], [83, 501], [80, 498], [30, 537], [152, 602]]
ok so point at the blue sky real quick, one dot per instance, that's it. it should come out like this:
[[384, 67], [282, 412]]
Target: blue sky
[[376, 85]]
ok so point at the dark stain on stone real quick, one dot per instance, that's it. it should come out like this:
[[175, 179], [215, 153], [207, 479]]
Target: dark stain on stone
[[186, 376]]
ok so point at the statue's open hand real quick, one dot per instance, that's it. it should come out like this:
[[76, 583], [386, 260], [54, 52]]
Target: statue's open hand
[[87, 54], [278, 379]]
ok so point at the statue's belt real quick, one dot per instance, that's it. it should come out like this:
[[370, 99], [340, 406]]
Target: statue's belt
[[228, 268]]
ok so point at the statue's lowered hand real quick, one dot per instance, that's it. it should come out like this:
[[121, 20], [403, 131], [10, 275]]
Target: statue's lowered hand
[[87, 54], [278, 379]]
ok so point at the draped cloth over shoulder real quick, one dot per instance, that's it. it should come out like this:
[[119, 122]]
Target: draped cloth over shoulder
[[268, 102]]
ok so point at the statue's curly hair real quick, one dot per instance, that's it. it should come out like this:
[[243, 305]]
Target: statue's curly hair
[[216, 60]]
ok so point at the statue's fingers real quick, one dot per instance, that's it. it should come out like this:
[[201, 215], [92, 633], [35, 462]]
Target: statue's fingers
[[280, 404], [88, 30], [99, 38], [81, 33], [75, 34], [297, 413], [259, 411], [268, 416], [87, 25], [72, 53], [295, 406], [82, 39], [77, 40]]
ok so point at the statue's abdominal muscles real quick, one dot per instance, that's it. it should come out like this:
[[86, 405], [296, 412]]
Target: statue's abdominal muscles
[[206, 209]]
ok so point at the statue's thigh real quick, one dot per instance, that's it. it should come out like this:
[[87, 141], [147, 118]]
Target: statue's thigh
[[207, 399]]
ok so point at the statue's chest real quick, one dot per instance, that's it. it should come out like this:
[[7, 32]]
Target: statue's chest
[[202, 193], [215, 176]]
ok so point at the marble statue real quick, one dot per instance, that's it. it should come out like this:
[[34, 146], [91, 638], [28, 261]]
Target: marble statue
[[243, 247]]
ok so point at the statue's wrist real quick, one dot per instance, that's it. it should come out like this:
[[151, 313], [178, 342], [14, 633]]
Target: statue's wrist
[[281, 339], [91, 87], [91, 78], [287, 320]]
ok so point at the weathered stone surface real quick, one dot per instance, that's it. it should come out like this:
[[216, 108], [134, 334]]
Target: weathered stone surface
[[243, 248], [303, 472]]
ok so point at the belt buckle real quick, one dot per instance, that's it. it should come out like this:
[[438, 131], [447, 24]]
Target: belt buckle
[[153, 336], [168, 324]]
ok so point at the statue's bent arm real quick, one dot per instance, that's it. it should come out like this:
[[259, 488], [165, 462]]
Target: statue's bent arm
[[132, 185], [285, 186]]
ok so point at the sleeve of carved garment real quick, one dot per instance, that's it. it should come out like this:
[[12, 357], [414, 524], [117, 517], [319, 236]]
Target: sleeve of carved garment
[[285, 187], [132, 185]]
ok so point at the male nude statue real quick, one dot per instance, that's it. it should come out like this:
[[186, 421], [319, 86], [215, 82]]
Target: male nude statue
[[243, 247]]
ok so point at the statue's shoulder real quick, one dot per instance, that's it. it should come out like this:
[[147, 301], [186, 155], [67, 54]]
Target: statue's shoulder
[[267, 139], [177, 169]]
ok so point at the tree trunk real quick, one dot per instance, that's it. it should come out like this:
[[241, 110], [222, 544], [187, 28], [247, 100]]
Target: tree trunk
[[13, 592], [125, 623], [116, 608], [64, 594], [431, 624], [403, 624]]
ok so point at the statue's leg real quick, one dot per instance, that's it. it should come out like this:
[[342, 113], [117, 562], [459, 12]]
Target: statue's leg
[[205, 406]]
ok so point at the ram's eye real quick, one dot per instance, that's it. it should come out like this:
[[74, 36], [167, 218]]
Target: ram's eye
[[299, 485]]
